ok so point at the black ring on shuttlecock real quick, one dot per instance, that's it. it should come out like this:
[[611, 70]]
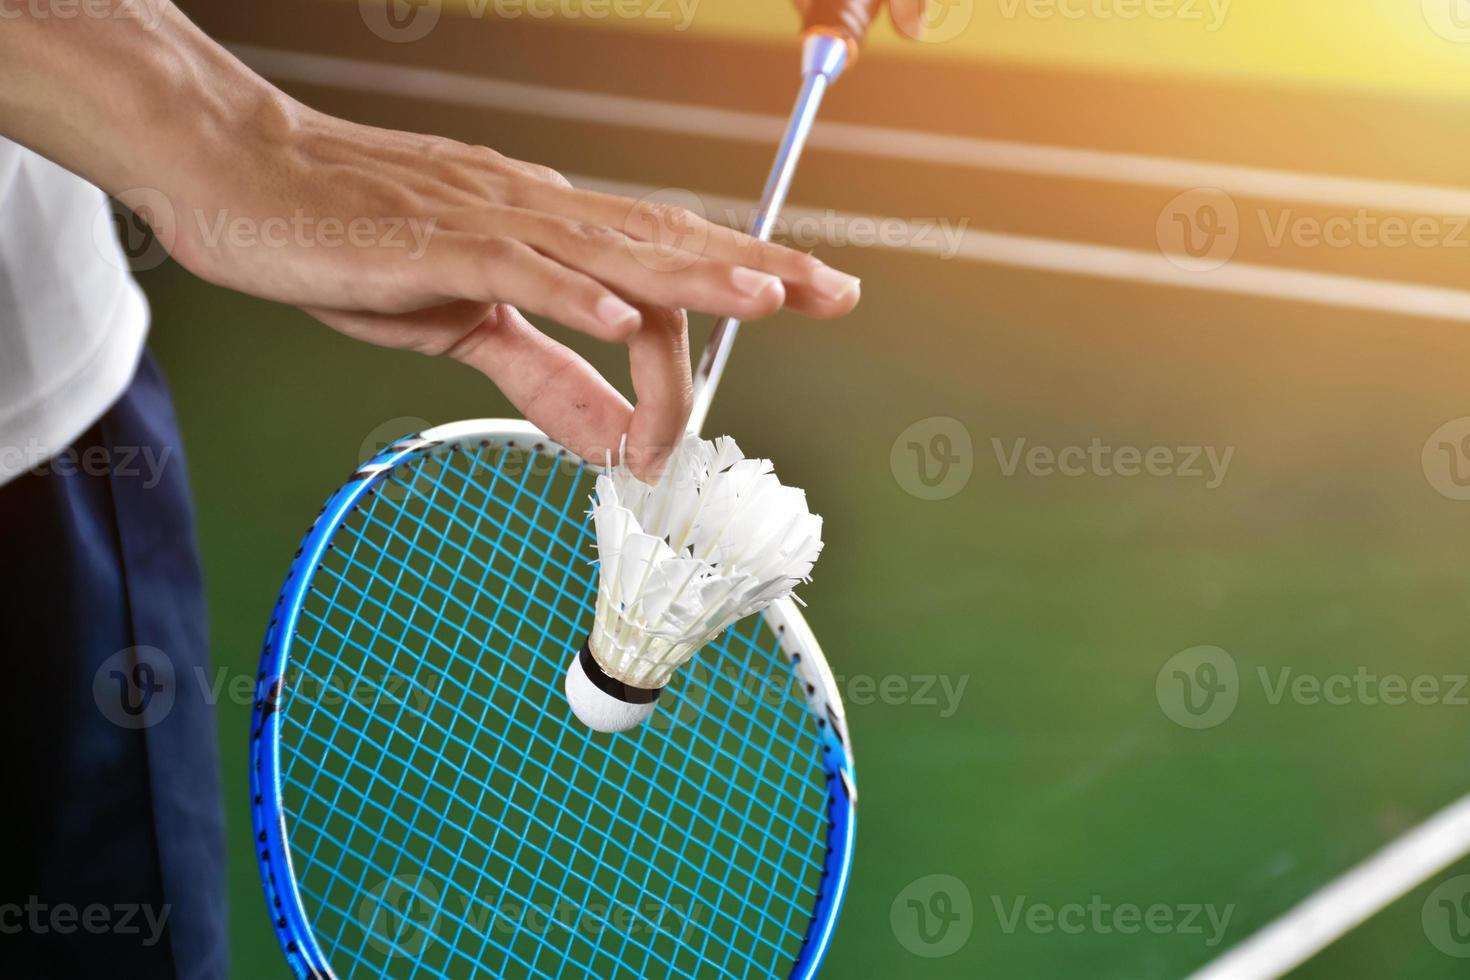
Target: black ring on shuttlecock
[[611, 686]]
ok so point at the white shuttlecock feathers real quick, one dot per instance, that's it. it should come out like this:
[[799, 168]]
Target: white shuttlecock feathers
[[716, 539]]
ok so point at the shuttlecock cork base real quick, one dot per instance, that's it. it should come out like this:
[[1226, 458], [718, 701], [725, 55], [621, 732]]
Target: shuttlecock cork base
[[716, 539], [602, 702]]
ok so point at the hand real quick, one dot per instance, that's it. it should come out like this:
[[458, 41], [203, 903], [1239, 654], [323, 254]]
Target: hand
[[399, 239], [455, 240], [908, 15]]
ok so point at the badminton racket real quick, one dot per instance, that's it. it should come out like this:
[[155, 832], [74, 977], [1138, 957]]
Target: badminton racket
[[423, 800]]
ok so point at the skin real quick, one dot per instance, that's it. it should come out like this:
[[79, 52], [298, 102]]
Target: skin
[[173, 125]]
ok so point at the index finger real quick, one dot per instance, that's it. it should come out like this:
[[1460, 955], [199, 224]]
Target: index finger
[[812, 286]]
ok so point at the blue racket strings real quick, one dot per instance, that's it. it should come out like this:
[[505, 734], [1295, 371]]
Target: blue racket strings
[[446, 814]]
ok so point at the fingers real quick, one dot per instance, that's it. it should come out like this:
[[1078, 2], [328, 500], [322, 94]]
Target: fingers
[[908, 17], [549, 384], [503, 270], [678, 239], [434, 331], [639, 270], [662, 382]]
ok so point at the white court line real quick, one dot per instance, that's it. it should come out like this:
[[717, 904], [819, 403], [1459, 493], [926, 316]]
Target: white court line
[[1349, 901], [1106, 261], [1018, 251], [873, 141]]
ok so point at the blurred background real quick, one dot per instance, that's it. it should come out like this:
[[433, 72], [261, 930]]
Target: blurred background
[[1145, 460]]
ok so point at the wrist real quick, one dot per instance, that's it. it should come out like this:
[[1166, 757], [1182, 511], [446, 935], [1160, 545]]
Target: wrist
[[197, 110], [128, 103]]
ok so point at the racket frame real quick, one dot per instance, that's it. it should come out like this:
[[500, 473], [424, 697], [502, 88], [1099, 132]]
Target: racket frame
[[270, 823]]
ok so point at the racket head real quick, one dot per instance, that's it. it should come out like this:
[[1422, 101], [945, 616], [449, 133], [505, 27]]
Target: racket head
[[760, 698]]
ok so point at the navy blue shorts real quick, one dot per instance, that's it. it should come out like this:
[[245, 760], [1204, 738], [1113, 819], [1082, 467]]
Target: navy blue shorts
[[111, 769]]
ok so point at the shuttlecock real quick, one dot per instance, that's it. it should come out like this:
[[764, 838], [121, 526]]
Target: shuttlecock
[[716, 539]]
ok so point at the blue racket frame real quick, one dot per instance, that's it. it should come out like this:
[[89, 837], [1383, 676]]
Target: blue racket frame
[[283, 899]]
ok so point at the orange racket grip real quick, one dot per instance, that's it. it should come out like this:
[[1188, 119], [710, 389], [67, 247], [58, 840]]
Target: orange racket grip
[[847, 19]]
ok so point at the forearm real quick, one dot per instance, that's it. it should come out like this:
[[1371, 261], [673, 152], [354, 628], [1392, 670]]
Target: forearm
[[126, 93]]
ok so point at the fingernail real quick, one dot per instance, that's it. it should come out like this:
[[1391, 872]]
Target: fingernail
[[613, 312], [835, 285], [753, 283]]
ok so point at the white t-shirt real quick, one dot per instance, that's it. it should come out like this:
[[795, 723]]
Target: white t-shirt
[[72, 320]]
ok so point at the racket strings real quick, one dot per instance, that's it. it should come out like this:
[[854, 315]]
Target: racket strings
[[760, 776], [729, 812], [796, 731], [655, 787]]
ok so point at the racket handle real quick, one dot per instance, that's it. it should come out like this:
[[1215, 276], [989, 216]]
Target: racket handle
[[847, 19]]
